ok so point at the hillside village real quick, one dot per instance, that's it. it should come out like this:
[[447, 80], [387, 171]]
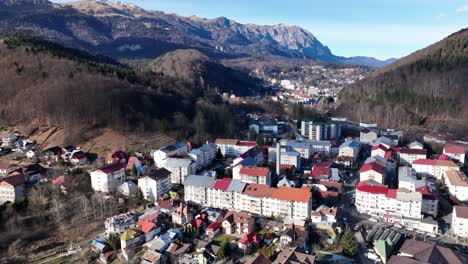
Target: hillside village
[[338, 192]]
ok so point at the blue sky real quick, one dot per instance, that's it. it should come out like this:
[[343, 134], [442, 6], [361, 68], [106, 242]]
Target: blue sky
[[378, 28]]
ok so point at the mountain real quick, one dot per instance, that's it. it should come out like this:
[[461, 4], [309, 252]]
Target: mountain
[[368, 61], [123, 30], [426, 88]]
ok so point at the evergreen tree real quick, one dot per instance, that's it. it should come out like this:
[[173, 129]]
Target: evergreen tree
[[224, 249], [134, 170], [349, 244], [219, 155]]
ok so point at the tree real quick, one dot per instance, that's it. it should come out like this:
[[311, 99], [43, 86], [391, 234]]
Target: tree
[[224, 249], [219, 154], [260, 141], [134, 170], [200, 230], [113, 241], [349, 244]]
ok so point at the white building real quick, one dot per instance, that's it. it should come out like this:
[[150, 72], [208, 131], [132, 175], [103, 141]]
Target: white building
[[120, 223], [456, 153], [254, 175], [162, 154], [434, 168], [155, 184], [106, 179], [12, 189], [457, 184], [224, 193], [196, 189], [204, 155], [408, 155], [350, 149], [416, 145], [324, 215], [319, 131], [234, 147], [379, 150], [6, 169], [367, 136], [460, 221], [372, 171], [9, 139], [264, 125], [286, 158], [127, 188], [180, 168]]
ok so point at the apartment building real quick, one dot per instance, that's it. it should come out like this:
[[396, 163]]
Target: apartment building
[[460, 221], [367, 136], [287, 157], [319, 131], [224, 193], [258, 175], [372, 171], [12, 189], [264, 125], [204, 155], [162, 154], [350, 148], [155, 184], [456, 153], [106, 179], [234, 147], [457, 184], [196, 189], [406, 156], [180, 168], [434, 168]]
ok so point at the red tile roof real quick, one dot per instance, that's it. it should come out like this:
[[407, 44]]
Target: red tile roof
[[247, 143], [222, 141], [372, 166], [213, 226], [391, 193], [250, 238], [292, 194], [427, 193], [462, 211], [112, 168], [254, 171], [446, 163], [259, 190], [320, 171], [371, 186], [380, 146], [413, 151], [146, 226], [454, 150], [222, 184]]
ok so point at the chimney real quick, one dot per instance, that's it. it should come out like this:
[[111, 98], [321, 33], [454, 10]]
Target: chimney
[[278, 158]]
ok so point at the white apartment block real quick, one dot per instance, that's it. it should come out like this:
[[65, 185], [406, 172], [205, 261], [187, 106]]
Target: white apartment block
[[367, 136], [12, 189], [408, 155], [180, 168], [162, 154], [108, 178], [350, 149], [155, 184], [460, 221], [456, 153], [224, 193], [434, 168], [287, 157], [319, 131], [196, 189], [204, 155], [258, 175], [457, 184], [372, 171], [234, 147]]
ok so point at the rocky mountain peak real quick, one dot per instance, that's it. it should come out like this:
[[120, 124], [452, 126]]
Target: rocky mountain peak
[[24, 2]]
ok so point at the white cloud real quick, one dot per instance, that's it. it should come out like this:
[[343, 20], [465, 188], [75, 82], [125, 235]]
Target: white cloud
[[462, 9]]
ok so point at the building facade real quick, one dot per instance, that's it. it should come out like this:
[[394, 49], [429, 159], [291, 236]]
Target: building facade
[[460, 221], [162, 154], [155, 184], [434, 168], [12, 189], [457, 184], [108, 178], [234, 147], [180, 168], [204, 155], [319, 131]]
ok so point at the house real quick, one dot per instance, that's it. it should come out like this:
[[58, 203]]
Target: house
[[118, 156], [119, 223], [287, 157], [149, 226], [284, 182], [292, 255], [234, 147], [379, 150], [155, 184], [176, 250], [100, 245], [130, 240], [367, 136], [127, 188], [460, 221], [249, 242], [162, 154], [12, 189], [415, 251], [179, 168], [456, 153], [304, 148], [64, 183], [23, 144], [255, 175], [9, 140], [107, 178], [457, 184], [238, 223], [295, 237], [134, 163], [258, 259], [30, 154], [434, 168], [387, 141], [408, 155], [372, 171], [324, 215], [213, 229], [182, 215], [6, 169], [152, 257], [321, 170], [350, 148], [204, 155]]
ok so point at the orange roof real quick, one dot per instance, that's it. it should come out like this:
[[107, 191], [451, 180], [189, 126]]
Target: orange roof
[[254, 171], [457, 178], [259, 190], [147, 226], [292, 194]]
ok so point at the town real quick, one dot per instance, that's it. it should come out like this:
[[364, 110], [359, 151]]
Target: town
[[298, 191]]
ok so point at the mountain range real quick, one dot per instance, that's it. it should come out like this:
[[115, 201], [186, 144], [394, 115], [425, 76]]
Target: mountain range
[[123, 30]]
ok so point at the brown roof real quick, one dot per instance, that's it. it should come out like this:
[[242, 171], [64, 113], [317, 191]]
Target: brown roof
[[112, 168], [413, 151], [255, 171], [292, 256], [4, 166], [462, 211], [429, 252], [457, 178], [259, 259], [14, 180], [292, 194], [176, 249], [259, 190], [238, 217], [405, 260], [226, 141]]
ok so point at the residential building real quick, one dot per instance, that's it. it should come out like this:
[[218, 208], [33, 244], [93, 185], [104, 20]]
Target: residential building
[[414, 251], [350, 148], [457, 184], [180, 168], [258, 259], [155, 184], [322, 170], [196, 189], [225, 192], [379, 150], [258, 175], [407, 179], [387, 141], [182, 215], [264, 125], [324, 215], [367, 136], [416, 145], [319, 131], [240, 223], [460, 221], [408, 155], [456, 153], [234, 147], [204, 155], [304, 148], [320, 146], [434, 168], [107, 178], [6, 169], [291, 255], [290, 157], [119, 223], [9, 139], [295, 237], [372, 171], [12, 189], [127, 188], [162, 154]]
